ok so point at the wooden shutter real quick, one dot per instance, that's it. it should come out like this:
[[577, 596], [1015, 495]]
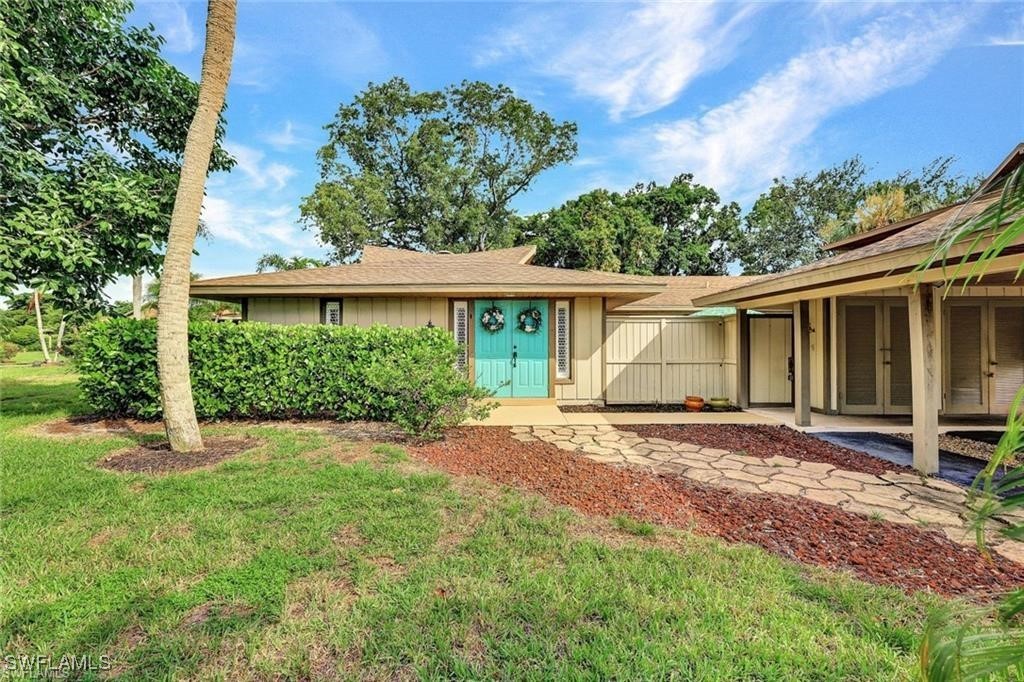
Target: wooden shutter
[[861, 355], [460, 329], [1009, 354], [563, 354]]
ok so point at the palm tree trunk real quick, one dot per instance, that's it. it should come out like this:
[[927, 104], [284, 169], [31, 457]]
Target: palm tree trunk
[[172, 315], [59, 347], [38, 305], [137, 296]]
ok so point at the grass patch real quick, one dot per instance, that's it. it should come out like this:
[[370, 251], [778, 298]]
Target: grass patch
[[390, 453], [277, 563], [629, 525]]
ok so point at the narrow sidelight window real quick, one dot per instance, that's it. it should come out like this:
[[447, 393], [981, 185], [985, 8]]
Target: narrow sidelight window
[[460, 329], [563, 356], [332, 312]]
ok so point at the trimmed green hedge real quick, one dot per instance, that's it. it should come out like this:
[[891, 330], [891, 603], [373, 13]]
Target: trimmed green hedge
[[253, 370]]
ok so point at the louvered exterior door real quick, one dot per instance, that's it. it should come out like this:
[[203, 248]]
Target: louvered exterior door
[[861, 363], [1006, 355], [966, 358], [896, 359]]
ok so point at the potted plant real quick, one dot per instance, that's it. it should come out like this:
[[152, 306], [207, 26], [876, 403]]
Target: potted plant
[[719, 404], [694, 403]]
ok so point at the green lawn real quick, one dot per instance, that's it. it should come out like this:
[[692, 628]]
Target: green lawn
[[301, 559]]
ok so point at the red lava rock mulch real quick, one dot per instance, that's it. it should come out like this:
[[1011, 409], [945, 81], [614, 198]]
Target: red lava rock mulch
[[158, 458], [767, 441], [807, 531]]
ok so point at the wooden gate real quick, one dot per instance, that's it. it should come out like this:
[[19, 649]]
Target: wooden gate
[[664, 359]]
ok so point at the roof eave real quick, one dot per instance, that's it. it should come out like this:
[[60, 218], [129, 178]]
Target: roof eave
[[892, 269], [213, 291]]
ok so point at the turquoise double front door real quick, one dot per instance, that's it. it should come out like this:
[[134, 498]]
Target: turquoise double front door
[[510, 362]]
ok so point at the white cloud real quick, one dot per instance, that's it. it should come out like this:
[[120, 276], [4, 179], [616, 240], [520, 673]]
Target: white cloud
[[249, 162], [636, 62], [284, 138], [1013, 38], [741, 145], [254, 226], [172, 22]]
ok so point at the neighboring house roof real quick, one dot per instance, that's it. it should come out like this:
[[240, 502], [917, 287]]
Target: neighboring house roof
[[380, 255], [391, 272], [680, 292]]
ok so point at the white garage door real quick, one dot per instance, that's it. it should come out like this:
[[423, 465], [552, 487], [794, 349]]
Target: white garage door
[[664, 359]]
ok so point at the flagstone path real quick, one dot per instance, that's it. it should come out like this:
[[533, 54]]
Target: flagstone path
[[897, 497]]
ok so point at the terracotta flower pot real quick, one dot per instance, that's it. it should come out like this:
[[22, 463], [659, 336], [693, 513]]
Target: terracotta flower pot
[[694, 403]]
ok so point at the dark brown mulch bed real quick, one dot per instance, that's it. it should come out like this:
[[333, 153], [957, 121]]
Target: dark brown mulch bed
[[642, 407], [767, 441], [92, 424], [158, 458], [807, 531]]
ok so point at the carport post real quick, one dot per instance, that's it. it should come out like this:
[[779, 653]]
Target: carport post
[[924, 379], [742, 359], [802, 363]]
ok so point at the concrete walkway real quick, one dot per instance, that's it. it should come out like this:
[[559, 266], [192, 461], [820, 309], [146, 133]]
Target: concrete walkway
[[550, 415], [896, 497], [878, 424]]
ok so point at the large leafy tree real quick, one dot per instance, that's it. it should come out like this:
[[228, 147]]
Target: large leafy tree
[[782, 229], [430, 170], [790, 223], [596, 231], [172, 317], [92, 134], [677, 229], [697, 231]]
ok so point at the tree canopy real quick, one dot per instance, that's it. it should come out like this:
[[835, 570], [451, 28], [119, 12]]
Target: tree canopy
[[677, 229], [275, 261], [94, 125], [789, 224], [431, 170]]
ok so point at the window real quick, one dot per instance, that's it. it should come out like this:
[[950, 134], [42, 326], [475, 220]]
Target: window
[[331, 312], [460, 329], [563, 355]]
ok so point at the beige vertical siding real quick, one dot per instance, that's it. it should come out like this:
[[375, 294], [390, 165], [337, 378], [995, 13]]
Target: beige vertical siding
[[818, 356], [664, 359], [395, 312], [285, 310], [587, 339], [729, 356]]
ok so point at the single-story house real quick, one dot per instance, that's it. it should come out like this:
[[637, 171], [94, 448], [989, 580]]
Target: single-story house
[[590, 337], [858, 332], [874, 336]]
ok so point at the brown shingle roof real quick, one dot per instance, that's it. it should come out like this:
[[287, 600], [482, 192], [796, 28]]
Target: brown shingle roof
[[391, 271], [680, 291]]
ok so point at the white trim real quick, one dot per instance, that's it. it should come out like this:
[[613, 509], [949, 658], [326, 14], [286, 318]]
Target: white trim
[[563, 347], [460, 330], [332, 312]]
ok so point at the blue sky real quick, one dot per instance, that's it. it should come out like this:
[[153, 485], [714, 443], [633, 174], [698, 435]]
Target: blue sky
[[734, 93]]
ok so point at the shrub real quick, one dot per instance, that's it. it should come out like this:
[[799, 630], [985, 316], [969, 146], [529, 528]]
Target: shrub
[[9, 350], [253, 370], [25, 336]]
